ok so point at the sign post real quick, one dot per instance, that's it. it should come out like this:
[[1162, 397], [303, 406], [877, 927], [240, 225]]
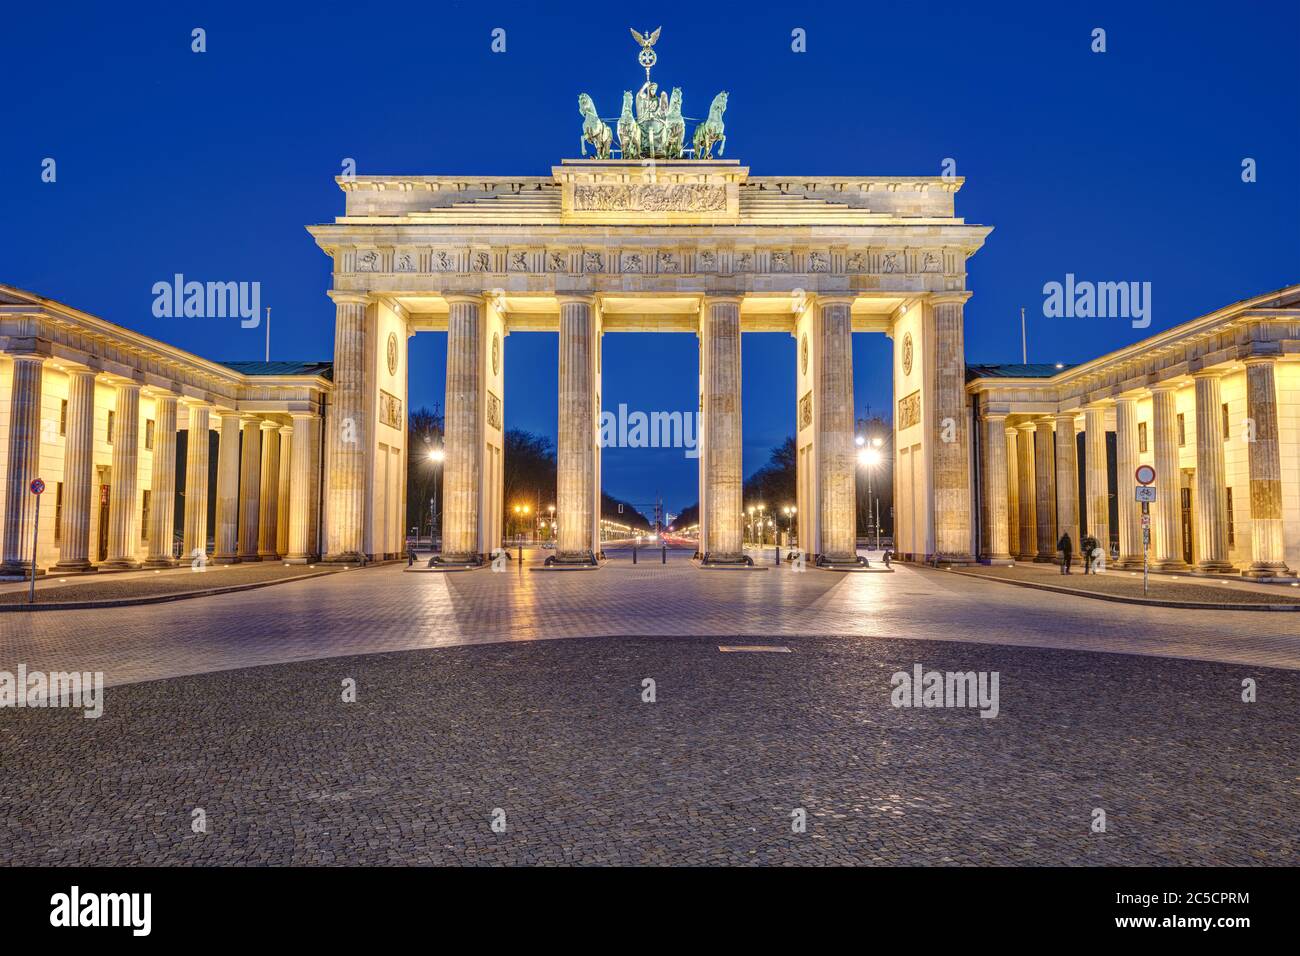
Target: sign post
[[37, 487], [1146, 476]]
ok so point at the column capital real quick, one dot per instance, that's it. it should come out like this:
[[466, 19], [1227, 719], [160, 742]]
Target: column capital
[[465, 298], [998, 414], [269, 425], [949, 298], [576, 298], [303, 416], [344, 297], [1026, 426], [722, 298], [1257, 358], [26, 355], [1098, 405], [1061, 418], [1163, 387], [835, 299], [1216, 372]]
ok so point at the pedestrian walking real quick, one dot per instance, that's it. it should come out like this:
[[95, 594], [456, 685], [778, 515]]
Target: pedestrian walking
[[1066, 547]]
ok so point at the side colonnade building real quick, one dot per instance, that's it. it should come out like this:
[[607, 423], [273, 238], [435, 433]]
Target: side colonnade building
[[1213, 405], [95, 411]]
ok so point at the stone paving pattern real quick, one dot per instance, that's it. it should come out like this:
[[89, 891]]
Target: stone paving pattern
[[134, 585], [381, 609], [555, 734], [1162, 587]]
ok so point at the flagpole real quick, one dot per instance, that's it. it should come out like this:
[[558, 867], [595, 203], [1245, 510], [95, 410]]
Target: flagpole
[[268, 331], [1024, 342]]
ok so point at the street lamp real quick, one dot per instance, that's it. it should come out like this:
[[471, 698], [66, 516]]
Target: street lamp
[[872, 458], [436, 456]]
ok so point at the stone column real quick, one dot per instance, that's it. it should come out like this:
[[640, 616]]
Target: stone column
[[1096, 480], [575, 494], [269, 493], [1045, 489], [196, 483], [1067, 479], [996, 549], [1211, 476], [162, 485], [349, 431], [1011, 440], [23, 462], [250, 487], [126, 465], [463, 437], [951, 458], [1126, 465], [1165, 510], [78, 474], [1028, 497], [304, 501], [226, 540], [836, 453], [284, 490], [1266, 542], [721, 461]]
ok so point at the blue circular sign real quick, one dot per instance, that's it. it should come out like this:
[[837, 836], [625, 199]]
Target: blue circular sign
[[37, 486]]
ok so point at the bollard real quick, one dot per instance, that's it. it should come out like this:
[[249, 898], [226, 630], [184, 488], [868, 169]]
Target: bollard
[[776, 556], [663, 559], [634, 554]]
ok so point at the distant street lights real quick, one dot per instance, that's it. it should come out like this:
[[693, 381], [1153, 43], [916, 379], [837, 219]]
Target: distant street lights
[[436, 456]]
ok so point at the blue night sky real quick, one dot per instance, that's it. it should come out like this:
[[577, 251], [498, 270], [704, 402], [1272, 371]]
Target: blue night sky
[[1117, 166]]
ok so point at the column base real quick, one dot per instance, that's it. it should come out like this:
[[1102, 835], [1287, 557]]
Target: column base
[[225, 559], [268, 557], [160, 563], [247, 558], [452, 560], [19, 571], [1128, 563], [344, 557], [1270, 569], [1041, 558], [1027, 558], [839, 561], [120, 564], [962, 558], [1170, 564], [726, 560], [301, 558], [1214, 568], [74, 567], [997, 560], [573, 559]]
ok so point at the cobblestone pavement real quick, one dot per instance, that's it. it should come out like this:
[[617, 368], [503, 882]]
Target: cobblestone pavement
[[1163, 587], [386, 609], [555, 734], [134, 585]]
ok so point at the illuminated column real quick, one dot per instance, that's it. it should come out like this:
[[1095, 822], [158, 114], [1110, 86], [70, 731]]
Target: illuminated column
[[1266, 542], [225, 549], [951, 458], [305, 500], [836, 452], [994, 446], [1096, 481], [23, 461], [250, 487], [463, 437], [1027, 473], [349, 431], [1165, 510], [720, 342], [269, 493], [1045, 489], [1067, 479], [1011, 440], [576, 496], [1211, 476], [1126, 464], [283, 492], [196, 483], [78, 474], [162, 485], [126, 464]]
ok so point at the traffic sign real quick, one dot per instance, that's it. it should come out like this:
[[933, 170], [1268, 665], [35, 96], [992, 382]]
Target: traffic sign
[[1144, 493], [37, 486], [1145, 475]]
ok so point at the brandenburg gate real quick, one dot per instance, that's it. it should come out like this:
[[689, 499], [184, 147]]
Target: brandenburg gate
[[651, 241]]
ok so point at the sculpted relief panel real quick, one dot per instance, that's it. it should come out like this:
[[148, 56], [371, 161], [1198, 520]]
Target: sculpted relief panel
[[650, 197]]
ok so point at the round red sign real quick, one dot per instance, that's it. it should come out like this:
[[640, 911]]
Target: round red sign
[[1145, 474], [37, 486]]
